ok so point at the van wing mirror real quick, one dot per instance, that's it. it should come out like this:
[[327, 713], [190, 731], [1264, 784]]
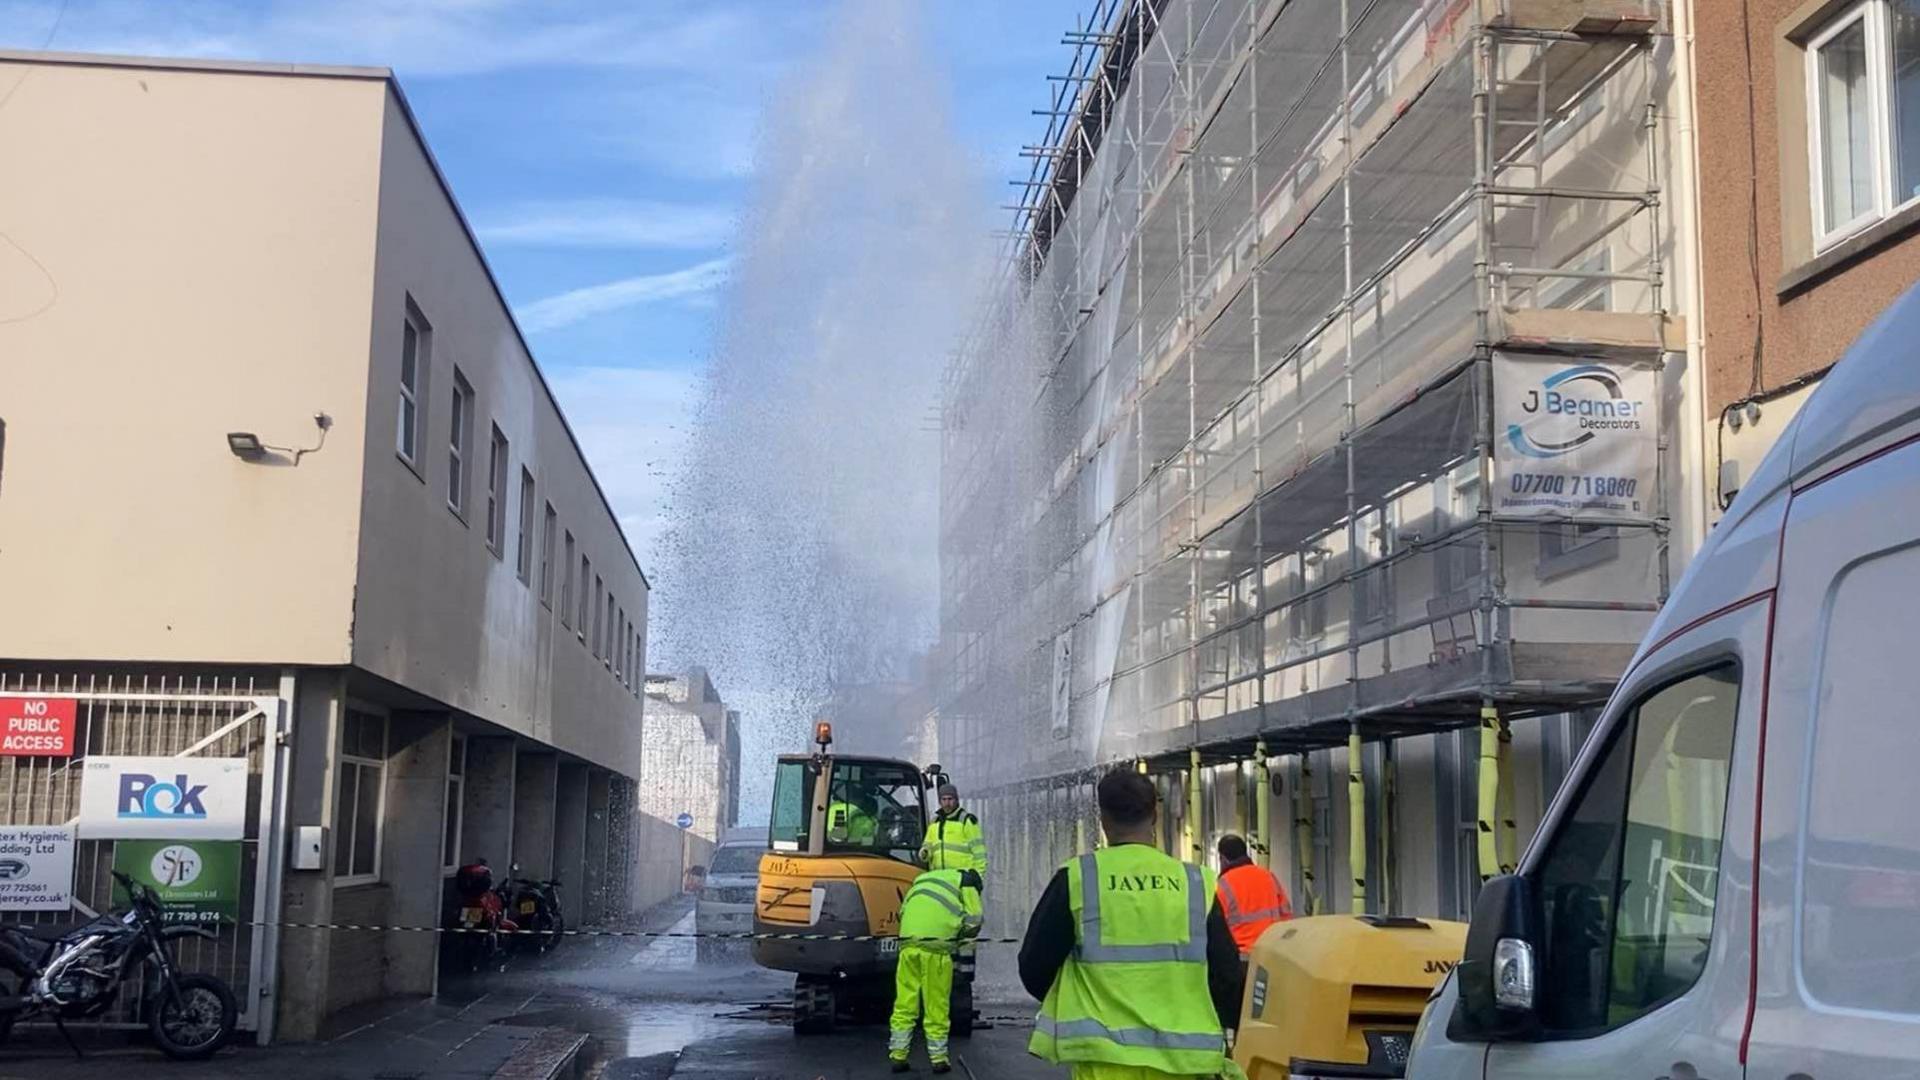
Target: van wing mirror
[[1499, 974]]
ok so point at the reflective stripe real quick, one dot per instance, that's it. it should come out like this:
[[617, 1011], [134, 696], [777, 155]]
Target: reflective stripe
[[931, 882], [1243, 918], [1092, 949], [1148, 1037], [958, 911]]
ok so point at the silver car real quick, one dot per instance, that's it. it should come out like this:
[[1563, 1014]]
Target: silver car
[[725, 903]]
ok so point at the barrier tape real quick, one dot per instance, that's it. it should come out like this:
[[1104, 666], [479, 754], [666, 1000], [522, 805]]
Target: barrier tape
[[712, 936]]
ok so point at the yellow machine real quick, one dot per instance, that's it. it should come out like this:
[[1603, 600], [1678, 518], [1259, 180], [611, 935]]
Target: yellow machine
[[844, 842], [1339, 995]]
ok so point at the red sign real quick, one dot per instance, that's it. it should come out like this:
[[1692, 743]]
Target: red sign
[[37, 726]]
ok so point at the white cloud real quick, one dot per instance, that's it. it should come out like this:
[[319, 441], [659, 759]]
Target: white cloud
[[621, 223], [568, 308], [632, 424]]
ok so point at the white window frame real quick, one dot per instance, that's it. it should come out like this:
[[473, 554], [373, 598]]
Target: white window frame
[[499, 453], [362, 763], [412, 394], [459, 445], [456, 798], [1873, 16]]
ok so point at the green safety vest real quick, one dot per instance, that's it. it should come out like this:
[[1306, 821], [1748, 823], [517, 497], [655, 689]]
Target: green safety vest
[[938, 912], [1134, 991], [955, 843], [848, 824]]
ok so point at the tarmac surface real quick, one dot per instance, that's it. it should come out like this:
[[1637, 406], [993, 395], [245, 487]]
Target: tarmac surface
[[606, 1008]]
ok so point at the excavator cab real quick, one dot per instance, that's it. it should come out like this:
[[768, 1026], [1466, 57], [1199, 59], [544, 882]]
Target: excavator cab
[[844, 844]]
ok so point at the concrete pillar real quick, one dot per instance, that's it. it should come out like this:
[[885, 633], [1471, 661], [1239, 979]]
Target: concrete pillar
[[594, 877], [570, 840], [536, 777], [419, 746], [300, 1001], [486, 830]]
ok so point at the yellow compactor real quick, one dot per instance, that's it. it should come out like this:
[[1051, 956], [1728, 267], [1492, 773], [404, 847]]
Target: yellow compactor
[[1339, 995]]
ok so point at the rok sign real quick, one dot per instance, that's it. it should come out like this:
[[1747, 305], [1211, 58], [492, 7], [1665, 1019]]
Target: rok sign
[[1574, 438], [36, 868], [198, 881], [163, 798]]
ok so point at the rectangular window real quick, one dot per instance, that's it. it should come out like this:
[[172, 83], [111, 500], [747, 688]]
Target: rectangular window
[[497, 493], [547, 528], [456, 780], [459, 445], [566, 586], [1565, 548], [1629, 884], [586, 597], [523, 546], [606, 643], [1863, 113], [415, 338], [599, 614], [359, 799], [618, 632]]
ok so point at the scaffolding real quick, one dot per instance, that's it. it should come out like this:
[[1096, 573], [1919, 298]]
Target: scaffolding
[[1222, 463]]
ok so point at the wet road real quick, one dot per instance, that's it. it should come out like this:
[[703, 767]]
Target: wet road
[[652, 1009], [655, 1010]]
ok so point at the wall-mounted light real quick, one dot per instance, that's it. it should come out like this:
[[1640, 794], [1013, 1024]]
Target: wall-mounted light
[[247, 446]]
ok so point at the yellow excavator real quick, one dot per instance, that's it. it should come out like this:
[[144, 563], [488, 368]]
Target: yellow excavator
[[843, 846]]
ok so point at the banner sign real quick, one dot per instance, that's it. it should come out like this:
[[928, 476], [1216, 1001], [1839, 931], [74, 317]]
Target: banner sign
[[1574, 438], [36, 868], [198, 880], [37, 726], [163, 798]]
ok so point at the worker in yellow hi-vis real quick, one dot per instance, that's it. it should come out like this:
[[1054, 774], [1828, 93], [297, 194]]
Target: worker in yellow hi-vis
[[940, 912]]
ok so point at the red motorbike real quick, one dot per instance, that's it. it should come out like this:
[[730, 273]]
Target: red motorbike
[[480, 920]]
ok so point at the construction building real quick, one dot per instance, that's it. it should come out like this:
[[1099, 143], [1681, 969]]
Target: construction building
[[283, 485], [1325, 449]]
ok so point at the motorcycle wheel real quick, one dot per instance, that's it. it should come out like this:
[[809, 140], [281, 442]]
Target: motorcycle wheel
[[197, 1021], [556, 928]]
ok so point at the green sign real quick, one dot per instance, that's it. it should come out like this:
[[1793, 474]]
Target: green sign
[[198, 880]]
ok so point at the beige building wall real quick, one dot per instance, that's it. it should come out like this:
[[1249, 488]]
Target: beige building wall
[[188, 253], [438, 611]]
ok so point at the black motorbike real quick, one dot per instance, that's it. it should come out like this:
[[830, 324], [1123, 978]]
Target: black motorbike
[[75, 973], [535, 906]]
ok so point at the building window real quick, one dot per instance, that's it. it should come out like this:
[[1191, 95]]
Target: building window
[[456, 781], [415, 342], [1575, 546], [1863, 110], [599, 614], [497, 493], [359, 801], [547, 527], [586, 597], [606, 643], [618, 632], [566, 585], [459, 445], [523, 552]]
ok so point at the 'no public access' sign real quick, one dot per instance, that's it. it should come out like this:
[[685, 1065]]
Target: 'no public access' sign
[[37, 726]]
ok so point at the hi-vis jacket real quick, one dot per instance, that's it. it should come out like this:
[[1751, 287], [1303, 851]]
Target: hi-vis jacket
[[955, 842]]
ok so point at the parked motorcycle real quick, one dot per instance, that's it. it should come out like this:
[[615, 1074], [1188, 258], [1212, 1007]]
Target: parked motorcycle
[[71, 973], [481, 916], [535, 905]]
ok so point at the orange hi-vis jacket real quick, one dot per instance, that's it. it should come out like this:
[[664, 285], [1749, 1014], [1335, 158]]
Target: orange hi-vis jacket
[[1252, 899]]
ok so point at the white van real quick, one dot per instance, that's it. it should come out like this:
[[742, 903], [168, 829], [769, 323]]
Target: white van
[[1768, 711]]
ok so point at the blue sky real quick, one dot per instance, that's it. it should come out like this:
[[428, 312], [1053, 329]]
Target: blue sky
[[603, 150]]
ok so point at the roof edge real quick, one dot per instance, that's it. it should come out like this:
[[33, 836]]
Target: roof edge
[[166, 63]]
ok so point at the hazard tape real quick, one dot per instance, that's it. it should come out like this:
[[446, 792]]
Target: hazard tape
[[711, 936]]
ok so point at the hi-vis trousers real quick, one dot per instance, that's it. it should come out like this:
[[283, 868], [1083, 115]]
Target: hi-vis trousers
[[924, 981]]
